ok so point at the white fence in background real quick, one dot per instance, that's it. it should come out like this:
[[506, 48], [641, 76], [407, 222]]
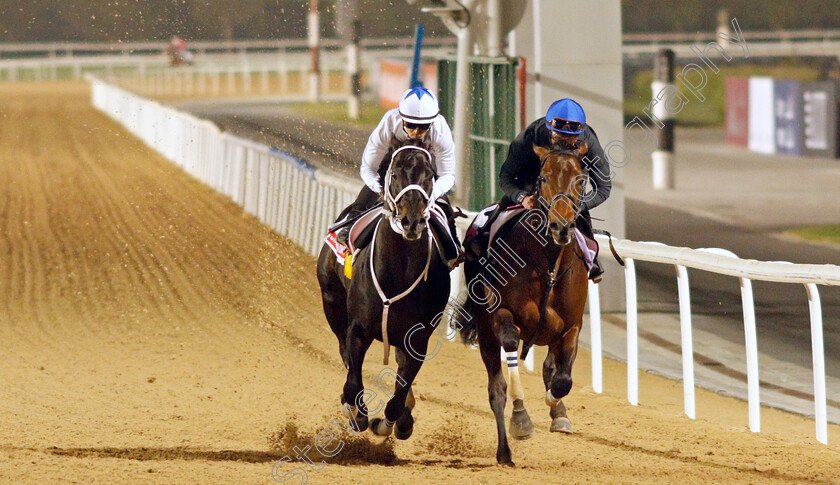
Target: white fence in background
[[282, 191], [53, 61], [299, 201], [283, 77]]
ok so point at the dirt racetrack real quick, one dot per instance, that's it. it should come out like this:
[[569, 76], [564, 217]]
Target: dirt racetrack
[[153, 333]]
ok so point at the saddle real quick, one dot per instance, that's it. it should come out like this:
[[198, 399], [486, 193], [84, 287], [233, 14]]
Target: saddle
[[361, 233], [507, 219]]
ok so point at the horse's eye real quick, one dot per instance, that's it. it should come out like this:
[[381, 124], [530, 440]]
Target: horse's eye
[[541, 179]]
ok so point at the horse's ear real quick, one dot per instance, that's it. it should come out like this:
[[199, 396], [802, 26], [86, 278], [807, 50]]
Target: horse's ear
[[582, 149], [540, 151]]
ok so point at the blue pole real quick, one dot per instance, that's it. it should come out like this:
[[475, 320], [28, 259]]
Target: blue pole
[[415, 68]]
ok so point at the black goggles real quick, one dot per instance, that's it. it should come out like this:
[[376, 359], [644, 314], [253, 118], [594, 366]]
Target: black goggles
[[415, 126], [566, 125]]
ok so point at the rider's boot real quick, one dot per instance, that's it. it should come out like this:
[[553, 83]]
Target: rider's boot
[[596, 274], [343, 235], [478, 244]]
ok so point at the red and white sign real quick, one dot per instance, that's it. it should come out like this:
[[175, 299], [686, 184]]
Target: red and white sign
[[394, 79], [737, 110]]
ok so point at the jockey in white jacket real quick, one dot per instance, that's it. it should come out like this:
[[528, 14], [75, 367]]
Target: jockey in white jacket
[[418, 117]]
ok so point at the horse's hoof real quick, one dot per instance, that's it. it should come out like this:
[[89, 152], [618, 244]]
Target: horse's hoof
[[403, 434], [359, 424], [378, 427], [504, 459], [521, 427], [561, 424]]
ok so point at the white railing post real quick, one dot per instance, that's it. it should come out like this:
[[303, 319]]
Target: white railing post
[[687, 345], [751, 344], [595, 338], [632, 332], [818, 357]]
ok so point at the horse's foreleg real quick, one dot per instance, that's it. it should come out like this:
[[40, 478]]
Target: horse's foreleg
[[496, 388], [353, 397], [398, 405], [403, 427], [521, 427], [560, 384]]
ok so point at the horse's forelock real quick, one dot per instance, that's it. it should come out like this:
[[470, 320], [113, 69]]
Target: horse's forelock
[[411, 163]]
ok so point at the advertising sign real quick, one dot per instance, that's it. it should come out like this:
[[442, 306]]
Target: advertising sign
[[762, 123], [788, 113], [819, 119], [737, 110]]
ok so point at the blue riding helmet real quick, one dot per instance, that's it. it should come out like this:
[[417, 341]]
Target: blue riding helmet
[[565, 116]]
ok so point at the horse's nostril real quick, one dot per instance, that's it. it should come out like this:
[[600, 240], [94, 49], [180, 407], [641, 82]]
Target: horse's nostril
[[404, 221], [554, 226]]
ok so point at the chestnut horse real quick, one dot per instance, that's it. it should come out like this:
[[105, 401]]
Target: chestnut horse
[[534, 290]]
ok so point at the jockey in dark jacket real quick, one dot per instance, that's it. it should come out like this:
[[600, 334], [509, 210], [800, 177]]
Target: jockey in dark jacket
[[565, 126]]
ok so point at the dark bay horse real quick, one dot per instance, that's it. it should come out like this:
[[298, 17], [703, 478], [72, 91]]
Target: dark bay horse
[[399, 289], [539, 287]]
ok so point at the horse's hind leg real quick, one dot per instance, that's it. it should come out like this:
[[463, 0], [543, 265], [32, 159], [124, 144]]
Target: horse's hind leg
[[358, 343], [496, 388], [334, 299], [521, 427]]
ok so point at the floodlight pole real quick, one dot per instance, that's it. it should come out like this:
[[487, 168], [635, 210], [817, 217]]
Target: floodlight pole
[[455, 16]]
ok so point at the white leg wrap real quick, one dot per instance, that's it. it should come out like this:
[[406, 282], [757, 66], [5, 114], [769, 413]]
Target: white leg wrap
[[516, 391], [551, 400]]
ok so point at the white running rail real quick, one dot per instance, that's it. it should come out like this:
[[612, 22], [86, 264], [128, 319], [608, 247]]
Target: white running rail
[[282, 191], [723, 262]]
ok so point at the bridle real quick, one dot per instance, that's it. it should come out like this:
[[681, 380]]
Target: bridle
[[554, 274], [541, 179], [390, 207], [389, 212]]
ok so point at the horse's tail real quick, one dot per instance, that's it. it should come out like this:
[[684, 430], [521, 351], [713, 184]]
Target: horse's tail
[[461, 318]]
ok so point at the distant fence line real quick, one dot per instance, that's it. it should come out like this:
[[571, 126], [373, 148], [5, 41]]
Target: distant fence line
[[37, 62]]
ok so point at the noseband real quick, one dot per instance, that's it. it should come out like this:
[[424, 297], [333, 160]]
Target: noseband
[[391, 201]]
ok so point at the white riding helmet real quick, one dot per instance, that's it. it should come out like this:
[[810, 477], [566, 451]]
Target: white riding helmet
[[419, 105]]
